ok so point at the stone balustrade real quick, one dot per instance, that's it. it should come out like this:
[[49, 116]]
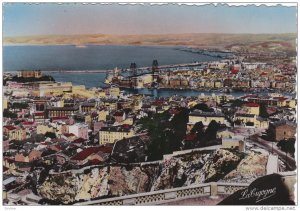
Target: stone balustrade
[[212, 189], [163, 196]]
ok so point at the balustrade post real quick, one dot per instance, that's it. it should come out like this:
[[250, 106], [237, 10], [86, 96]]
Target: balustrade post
[[290, 184], [213, 190]]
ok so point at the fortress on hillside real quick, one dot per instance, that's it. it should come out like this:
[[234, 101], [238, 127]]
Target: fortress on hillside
[[29, 74]]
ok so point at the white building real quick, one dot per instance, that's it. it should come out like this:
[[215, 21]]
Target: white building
[[80, 130]]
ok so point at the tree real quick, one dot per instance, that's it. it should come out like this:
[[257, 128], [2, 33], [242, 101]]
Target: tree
[[17, 105], [198, 127], [14, 144], [9, 114], [155, 125], [18, 121], [165, 135], [211, 131], [237, 103], [203, 107], [48, 152], [263, 110], [178, 128], [50, 135], [288, 146]]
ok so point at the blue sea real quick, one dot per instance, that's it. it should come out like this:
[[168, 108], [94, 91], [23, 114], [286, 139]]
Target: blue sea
[[98, 57], [93, 57]]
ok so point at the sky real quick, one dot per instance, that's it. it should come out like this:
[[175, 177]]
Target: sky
[[21, 19]]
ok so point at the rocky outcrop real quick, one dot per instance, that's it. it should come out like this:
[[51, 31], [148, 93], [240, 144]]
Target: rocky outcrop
[[221, 163], [196, 168], [93, 183], [249, 169], [192, 168], [61, 188], [124, 181], [181, 170]]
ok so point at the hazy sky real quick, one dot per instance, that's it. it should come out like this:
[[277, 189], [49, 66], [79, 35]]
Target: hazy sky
[[69, 18]]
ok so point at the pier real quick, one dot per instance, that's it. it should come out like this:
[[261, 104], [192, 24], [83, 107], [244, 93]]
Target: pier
[[127, 69]]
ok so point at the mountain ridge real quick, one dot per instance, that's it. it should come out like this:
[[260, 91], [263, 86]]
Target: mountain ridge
[[203, 40]]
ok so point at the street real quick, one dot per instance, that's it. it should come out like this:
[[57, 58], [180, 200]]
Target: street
[[289, 161]]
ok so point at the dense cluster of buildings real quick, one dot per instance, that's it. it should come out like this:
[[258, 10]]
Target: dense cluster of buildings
[[222, 75], [47, 123]]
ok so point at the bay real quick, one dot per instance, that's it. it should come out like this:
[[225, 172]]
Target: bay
[[100, 57], [93, 57]]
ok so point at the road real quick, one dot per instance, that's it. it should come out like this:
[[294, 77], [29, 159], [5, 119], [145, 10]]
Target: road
[[290, 161]]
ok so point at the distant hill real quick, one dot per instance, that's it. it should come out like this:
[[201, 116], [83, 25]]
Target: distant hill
[[197, 40]]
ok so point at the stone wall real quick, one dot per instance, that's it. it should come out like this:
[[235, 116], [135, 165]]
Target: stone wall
[[284, 132]]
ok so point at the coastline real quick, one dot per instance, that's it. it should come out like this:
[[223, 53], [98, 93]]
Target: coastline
[[210, 48], [210, 55]]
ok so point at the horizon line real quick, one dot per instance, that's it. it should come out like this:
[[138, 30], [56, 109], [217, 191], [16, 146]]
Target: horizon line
[[219, 33]]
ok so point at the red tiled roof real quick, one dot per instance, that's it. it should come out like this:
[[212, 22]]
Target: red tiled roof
[[95, 162], [39, 114], [252, 105], [119, 113], [68, 134], [280, 98], [246, 96], [9, 160], [272, 109], [73, 146], [10, 127], [158, 103], [5, 169], [57, 146], [79, 140], [89, 151], [174, 111], [27, 123], [234, 71], [126, 126]]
